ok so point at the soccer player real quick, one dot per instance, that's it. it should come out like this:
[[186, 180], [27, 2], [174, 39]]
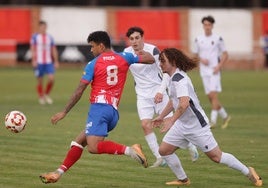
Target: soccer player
[[44, 61], [106, 74], [150, 87], [264, 45], [210, 48], [189, 122]]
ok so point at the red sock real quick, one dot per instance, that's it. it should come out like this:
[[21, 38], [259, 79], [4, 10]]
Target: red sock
[[49, 87], [72, 156], [39, 89], [110, 147]]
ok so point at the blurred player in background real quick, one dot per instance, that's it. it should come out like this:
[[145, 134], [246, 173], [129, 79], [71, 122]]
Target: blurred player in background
[[44, 61], [210, 48], [150, 87], [264, 45], [189, 122], [107, 75]]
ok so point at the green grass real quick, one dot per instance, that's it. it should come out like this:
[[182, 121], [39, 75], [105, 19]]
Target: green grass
[[41, 147]]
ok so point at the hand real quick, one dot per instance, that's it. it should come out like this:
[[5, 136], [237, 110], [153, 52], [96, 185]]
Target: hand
[[167, 124], [216, 69], [56, 64], [55, 118], [158, 98], [157, 122], [34, 64], [204, 61]]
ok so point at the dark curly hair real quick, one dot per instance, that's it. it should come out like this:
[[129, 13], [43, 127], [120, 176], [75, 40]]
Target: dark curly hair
[[179, 59], [100, 37]]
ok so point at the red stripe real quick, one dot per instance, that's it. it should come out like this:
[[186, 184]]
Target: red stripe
[[44, 49]]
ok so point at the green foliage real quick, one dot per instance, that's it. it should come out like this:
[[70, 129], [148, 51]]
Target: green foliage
[[41, 147]]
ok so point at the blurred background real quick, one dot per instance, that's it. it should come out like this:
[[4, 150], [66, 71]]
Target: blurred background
[[167, 23]]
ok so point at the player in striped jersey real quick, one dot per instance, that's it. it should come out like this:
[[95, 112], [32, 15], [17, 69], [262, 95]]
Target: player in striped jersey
[[106, 74], [44, 61]]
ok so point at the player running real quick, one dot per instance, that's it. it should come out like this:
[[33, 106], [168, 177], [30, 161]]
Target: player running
[[211, 50], [150, 87], [189, 122], [107, 75]]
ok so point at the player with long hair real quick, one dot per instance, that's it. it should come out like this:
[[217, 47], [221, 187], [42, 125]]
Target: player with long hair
[[189, 122]]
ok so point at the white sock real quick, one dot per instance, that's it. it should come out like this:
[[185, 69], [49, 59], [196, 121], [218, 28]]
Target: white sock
[[190, 145], [174, 164], [232, 162], [222, 113], [152, 143], [127, 151], [213, 116]]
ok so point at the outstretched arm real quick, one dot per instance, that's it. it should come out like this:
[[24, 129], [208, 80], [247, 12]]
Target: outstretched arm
[[72, 101]]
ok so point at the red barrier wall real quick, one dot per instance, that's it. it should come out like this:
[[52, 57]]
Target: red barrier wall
[[160, 27]]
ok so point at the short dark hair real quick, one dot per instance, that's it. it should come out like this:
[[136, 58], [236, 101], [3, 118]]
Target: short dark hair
[[100, 37], [209, 19], [131, 30]]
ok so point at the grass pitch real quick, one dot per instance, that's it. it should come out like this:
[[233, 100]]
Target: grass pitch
[[41, 147]]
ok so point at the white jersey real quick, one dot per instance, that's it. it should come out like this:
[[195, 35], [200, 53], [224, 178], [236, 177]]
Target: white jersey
[[194, 117], [210, 48], [148, 77]]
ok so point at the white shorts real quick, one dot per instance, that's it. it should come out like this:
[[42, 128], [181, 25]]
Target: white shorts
[[147, 107], [201, 137], [212, 83]]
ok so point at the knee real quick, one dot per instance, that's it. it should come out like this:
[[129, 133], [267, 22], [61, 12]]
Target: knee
[[163, 152], [92, 149], [146, 126], [216, 158]]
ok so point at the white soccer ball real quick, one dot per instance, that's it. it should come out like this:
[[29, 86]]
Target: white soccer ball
[[15, 121]]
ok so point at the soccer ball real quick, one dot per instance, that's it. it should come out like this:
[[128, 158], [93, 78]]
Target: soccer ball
[[15, 121]]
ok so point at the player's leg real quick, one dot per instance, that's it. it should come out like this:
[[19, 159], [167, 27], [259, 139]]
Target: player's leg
[[72, 156], [39, 74], [213, 151], [146, 110], [171, 142], [231, 161], [50, 71], [97, 126]]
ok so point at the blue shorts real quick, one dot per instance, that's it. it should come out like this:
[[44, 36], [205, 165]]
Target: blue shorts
[[102, 118], [43, 69]]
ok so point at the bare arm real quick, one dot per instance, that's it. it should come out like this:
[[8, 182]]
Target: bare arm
[[164, 84], [169, 122], [203, 61], [223, 59], [72, 101], [55, 56], [33, 51]]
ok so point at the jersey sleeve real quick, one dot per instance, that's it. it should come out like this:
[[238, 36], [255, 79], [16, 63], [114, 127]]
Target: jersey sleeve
[[130, 58], [195, 46], [221, 45], [88, 73], [182, 88], [164, 84]]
